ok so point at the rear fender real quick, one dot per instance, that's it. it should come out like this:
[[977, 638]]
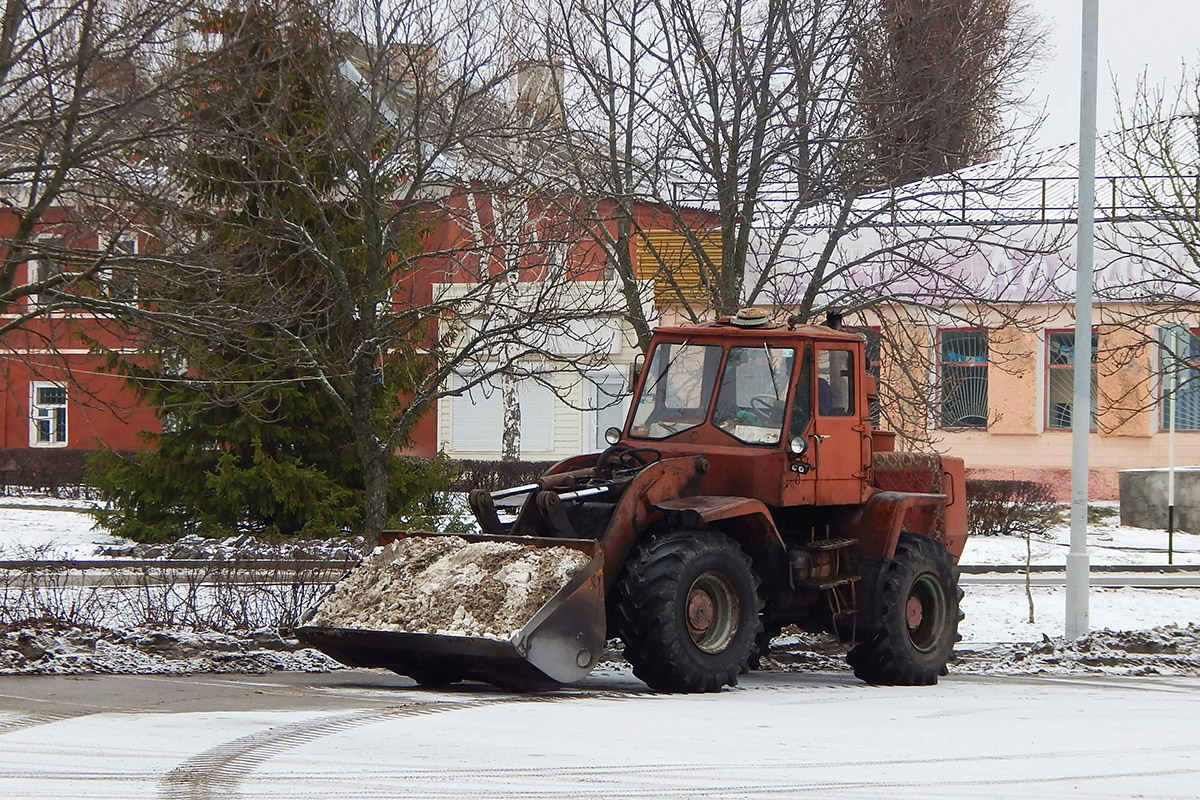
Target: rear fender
[[746, 521], [878, 526], [927, 473]]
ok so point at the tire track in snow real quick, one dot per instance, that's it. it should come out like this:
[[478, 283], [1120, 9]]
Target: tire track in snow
[[660, 767], [220, 771], [480, 786], [217, 772], [25, 721]]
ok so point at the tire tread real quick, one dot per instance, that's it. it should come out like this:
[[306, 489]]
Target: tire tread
[[645, 614]]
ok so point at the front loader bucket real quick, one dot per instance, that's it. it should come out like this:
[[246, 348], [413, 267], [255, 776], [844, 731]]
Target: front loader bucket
[[560, 643]]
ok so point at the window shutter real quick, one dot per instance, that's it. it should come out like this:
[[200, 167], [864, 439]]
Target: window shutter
[[476, 419], [537, 418]]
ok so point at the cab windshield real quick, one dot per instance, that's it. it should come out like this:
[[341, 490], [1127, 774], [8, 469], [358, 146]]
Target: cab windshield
[[677, 390], [752, 399]]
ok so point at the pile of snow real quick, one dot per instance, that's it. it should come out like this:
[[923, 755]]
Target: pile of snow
[[799, 651], [151, 651], [444, 584], [1166, 650]]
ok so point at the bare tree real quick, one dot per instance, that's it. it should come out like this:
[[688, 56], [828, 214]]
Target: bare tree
[[1148, 275], [758, 134], [775, 118], [86, 92], [935, 81], [368, 213]]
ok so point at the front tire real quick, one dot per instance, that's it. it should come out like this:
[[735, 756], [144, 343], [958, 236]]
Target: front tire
[[688, 611], [919, 617]]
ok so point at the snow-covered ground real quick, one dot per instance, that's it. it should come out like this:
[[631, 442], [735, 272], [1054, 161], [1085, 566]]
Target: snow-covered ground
[[60, 528], [38, 527], [1000, 613], [1109, 543], [778, 735]]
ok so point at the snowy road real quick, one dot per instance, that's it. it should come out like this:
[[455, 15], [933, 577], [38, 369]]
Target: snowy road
[[355, 735]]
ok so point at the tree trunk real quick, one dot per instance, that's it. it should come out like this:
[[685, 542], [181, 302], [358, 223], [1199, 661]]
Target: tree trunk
[[376, 490], [511, 439], [1028, 570]]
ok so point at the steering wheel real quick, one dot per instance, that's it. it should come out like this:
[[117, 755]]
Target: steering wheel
[[622, 457], [767, 408]]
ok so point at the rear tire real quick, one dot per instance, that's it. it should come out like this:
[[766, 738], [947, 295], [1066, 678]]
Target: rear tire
[[919, 617], [688, 611]]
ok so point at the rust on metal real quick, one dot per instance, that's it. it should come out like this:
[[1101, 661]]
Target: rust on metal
[[637, 510], [883, 518]]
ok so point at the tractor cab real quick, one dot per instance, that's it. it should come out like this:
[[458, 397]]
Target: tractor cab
[[780, 412]]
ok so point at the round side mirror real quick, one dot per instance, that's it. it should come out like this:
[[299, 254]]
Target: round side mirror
[[612, 435], [798, 445]]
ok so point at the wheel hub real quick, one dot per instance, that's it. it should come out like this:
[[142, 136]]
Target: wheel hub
[[913, 612], [925, 613], [711, 612], [699, 611]]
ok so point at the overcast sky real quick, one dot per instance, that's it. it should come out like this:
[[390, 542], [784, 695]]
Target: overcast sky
[[1155, 36]]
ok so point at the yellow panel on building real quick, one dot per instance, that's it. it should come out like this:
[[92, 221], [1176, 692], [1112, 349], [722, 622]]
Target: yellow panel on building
[[670, 259]]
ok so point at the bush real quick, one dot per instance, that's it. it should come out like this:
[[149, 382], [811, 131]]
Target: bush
[[156, 497], [1010, 508], [496, 475], [42, 469]]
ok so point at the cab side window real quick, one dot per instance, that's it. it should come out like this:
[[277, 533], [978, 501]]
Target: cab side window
[[835, 383]]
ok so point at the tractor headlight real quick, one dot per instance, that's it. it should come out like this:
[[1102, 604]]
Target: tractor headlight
[[798, 445], [612, 435]]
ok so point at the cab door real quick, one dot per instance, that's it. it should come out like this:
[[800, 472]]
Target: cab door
[[800, 479], [838, 427]]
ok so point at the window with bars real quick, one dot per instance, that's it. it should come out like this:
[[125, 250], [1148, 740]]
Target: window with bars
[[1179, 364], [47, 415], [1060, 378], [962, 378]]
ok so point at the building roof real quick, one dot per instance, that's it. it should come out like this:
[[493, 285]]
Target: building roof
[[1042, 187], [1004, 231]]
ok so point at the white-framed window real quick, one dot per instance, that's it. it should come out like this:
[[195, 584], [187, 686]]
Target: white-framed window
[[119, 277], [606, 403], [44, 266], [47, 414], [477, 417]]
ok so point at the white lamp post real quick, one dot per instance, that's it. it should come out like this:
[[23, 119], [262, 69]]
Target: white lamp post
[[1081, 417]]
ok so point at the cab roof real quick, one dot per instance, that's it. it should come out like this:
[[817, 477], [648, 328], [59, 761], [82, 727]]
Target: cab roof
[[723, 329]]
